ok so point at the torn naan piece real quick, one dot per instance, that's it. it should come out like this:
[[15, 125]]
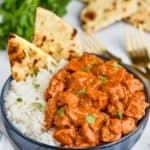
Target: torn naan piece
[[101, 13], [25, 58], [56, 37], [142, 16]]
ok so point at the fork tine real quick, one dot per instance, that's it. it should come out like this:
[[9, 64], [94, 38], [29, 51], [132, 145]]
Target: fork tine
[[144, 43], [138, 40], [91, 44], [128, 40], [96, 42], [137, 46], [85, 43]]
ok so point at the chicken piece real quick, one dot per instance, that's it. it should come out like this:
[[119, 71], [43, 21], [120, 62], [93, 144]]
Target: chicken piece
[[61, 122], [70, 99], [118, 75], [89, 59], [57, 84], [54, 88], [108, 136], [128, 125], [80, 79], [100, 120], [74, 65], [112, 70], [50, 111], [89, 135], [111, 131], [77, 115], [137, 105], [98, 70], [115, 89], [65, 136], [61, 75], [115, 107], [127, 76], [67, 98], [139, 95], [100, 98], [96, 84], [83, 145], [134, 85], [115, 126]]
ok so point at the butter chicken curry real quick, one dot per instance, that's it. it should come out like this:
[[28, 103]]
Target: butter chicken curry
[[91, 101]]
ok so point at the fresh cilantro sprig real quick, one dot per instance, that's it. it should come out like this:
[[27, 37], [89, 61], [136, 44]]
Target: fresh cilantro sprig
[[18, 16]]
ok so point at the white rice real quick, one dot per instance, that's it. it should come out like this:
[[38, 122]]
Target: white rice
[[24, 115]]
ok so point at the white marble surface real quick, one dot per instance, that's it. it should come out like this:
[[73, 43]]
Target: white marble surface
[[113, 39]]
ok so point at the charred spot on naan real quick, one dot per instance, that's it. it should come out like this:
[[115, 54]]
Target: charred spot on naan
[[54, 36], [25, 57]]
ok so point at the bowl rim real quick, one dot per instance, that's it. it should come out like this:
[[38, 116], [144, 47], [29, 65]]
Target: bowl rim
[[104, 145]]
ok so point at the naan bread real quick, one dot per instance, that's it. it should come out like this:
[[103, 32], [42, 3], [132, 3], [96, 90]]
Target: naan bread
[[142, 16], [56, 37], [25, 57], [101, 13]]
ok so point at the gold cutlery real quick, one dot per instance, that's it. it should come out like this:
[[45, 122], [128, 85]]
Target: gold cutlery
[[137, 49], [92, 45]]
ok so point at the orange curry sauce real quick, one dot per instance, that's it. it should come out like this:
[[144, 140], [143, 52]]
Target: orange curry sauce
[[92, 101]]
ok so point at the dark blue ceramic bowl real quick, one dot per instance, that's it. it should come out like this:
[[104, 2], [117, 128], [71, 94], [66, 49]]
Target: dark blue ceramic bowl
[[26, 143]]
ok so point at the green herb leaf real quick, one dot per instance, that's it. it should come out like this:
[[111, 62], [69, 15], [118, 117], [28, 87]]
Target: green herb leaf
[[116, 65], [103, 79], [91, 118], [120, 114], [35, 73], [61, 111], [19, 99], [82, 91], [86, 69], [36, 86], [37, 106], [21, 14]]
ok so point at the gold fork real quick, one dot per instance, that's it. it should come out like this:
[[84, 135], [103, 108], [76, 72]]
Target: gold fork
[[92, 45], [137, 47]]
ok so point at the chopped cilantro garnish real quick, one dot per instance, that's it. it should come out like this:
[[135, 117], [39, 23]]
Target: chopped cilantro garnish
[[103, 79], [120, 114], [37, 106], [116, 65], [35, 73], [82, 91], [91, 118], [36, 85], [61, 111], [86, 69], [19, 99]]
